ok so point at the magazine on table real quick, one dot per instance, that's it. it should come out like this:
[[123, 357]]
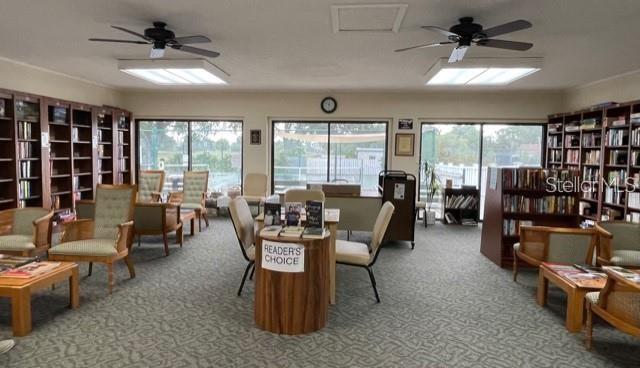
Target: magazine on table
[[315, 220], [14, 261], [623, 272], [30, 270], [291, 232]]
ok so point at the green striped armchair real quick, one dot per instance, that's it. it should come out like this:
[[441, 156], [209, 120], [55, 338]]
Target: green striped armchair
[[619, 243], [192, 197], [25, 231], [150, 184]]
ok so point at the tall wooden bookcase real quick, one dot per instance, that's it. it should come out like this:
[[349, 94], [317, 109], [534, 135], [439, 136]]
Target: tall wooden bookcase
[[53, 152], [608, 147], [521, 196]]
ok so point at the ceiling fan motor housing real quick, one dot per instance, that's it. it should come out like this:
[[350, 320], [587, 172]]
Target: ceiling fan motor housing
[[467, 31], [159, 34]]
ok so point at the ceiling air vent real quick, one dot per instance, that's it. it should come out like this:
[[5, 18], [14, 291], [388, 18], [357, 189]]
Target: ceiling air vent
[[367, 17]]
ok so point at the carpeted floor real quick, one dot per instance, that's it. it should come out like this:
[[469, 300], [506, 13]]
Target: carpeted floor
[[443, 305]]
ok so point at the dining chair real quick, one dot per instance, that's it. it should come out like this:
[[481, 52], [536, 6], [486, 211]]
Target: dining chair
[[303, 195], [25, 231], [150, 184], [107, 237], [359, 254], [554, 244], [618, 243], [255, 188], [192, 197], [244, 226], [158, 219]]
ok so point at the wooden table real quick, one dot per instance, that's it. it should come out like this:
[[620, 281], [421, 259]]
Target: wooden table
[[188, 215], [575, 295], [291, 300], [331, 220], [21, 289]]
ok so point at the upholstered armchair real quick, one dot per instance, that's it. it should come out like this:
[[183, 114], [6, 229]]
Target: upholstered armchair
[[363, 255], [553, 244], [618, 303], [255, 189], [25, 231], [107, 237], [192, 197], [245, 232], [150, 183], [619, 243], [156, 219]]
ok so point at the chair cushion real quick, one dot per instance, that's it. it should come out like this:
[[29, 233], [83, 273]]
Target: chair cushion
[[592, 297], [516, 247], [421, 204], [190, 206], [251, 253], [352, 252], [626, 257], [90, 247], [19, 243], [253, 199]]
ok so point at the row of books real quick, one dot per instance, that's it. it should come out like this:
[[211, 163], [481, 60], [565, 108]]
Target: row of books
[[616, 121], [591, 174], [553, 141], [591, 139], [294, 213], [617, 177], [532, 178], [512, 227], [571, 127], [614, 195], [592, 157], [555, 156], [633, 200], [123, 164], [635, 158], [573, 156], [546, 204], [635, 137], [122, 138], [26, 169], [27, 150], [571, 141], [635, 118], [104, 136], [24, 130], [25, 189], [617, 137], [633, 217], [461, 201], [618, 157]]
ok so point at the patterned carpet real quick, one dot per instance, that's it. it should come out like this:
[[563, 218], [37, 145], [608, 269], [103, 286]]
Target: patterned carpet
[[443, 305]]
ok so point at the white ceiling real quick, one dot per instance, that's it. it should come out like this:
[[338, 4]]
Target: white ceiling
[[290, 44]]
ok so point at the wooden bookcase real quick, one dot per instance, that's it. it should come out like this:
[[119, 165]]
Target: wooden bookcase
[[459, 213], [505, 207], [56, 151], [608, 153]]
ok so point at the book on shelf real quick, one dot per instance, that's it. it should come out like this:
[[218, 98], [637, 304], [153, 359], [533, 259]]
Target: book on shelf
[[511, 227], [573, 156], [30, 270], [617, 137], [533, 179], [572, 141], [75, 136], [24, 130], [590, 123], [614, 195], [592, 157], [592, 139], [461, 201], [538, 205], [272, 213], [25, 150], [617, 121], [555, 156], [572, 127], [633, 200], [449, 218], [624, 273], [24, 189], [635, 118], [633, 217], [617, 177], [555, 128], [25, 169], [609, 214], [291, 232], [618, 157], [554, 141], [468, 222]]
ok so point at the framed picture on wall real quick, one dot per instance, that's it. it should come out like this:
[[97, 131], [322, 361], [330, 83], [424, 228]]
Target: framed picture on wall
[[255, 136], [404, 144], [405, 124]]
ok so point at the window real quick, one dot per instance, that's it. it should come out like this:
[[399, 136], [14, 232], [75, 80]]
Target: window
[[176, 146], [459, 156], [318, 151]]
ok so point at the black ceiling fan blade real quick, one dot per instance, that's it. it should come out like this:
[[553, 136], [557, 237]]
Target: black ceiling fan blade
[[132, 32], [516, 25], [423, 46], [441, 31], [118, 41], [197, 51], [187, 40], [503, 44]]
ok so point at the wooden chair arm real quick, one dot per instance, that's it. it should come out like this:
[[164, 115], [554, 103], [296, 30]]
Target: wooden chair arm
[[6, 221], [156, 197], [175, 197], [77, 230], [85, 201], [42, 230], [125, 236]]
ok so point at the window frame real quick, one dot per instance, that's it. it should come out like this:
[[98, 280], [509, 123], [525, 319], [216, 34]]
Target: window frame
[[275, 121], [543, 141], [189, 143]]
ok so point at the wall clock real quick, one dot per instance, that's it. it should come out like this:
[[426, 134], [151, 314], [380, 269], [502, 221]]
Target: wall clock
[[329, 105]]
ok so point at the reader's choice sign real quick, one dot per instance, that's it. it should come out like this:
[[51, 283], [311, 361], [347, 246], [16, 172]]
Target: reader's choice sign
[[282, 257]]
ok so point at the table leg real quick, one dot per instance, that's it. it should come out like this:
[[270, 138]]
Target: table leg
[[575, 310], [193, 225], [333, 228], [543, 285], [74, 289], [21, 312]]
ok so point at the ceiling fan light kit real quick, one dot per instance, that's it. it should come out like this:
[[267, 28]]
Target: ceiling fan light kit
[[481, 71], [174, 71]]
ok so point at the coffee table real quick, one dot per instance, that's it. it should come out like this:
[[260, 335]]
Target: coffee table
[[20, 290], [189, 215], [575, 293]]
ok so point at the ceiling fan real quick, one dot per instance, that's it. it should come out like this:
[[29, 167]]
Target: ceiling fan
[[467, 33], [160, 37]]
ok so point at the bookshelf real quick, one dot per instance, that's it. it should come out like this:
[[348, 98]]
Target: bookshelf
[[609, 151], [60, 166], [27, 118], [8, 172], [522, 196], [461, 204], [83, 131], [106, 168], [125, 141]]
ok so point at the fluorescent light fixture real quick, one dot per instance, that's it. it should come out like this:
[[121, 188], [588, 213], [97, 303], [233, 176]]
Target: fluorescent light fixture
[[481, 72], [174, 71]]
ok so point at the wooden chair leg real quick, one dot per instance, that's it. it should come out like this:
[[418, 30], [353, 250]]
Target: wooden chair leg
[[110, 275], [199, 222], [589, 326], [166, 243], [90, 268], [206, 219], [180, 235], [129, 262]]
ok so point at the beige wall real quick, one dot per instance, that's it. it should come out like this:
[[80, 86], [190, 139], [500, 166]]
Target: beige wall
[[25, 78], [256, 109], [622, 88]]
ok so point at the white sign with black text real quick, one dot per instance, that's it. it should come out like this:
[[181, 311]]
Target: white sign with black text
[[282, 257]]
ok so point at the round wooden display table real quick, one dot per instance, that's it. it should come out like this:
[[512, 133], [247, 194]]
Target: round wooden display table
[[291, 297]]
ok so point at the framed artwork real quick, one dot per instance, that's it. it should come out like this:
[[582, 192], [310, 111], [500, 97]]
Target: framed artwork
[[255, 136], [405, 124], [404, 144]]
